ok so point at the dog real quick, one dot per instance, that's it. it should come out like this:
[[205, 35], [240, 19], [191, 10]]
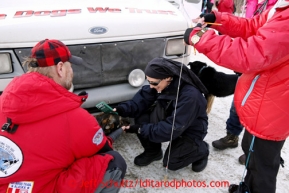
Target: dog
[[111, 122], [218, 84]]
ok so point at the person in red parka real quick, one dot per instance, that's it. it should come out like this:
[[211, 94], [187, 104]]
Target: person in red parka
[[257, 48], [48, 142]]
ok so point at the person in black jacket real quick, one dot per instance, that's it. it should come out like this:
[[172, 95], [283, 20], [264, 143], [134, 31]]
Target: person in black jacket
[[171, 108]]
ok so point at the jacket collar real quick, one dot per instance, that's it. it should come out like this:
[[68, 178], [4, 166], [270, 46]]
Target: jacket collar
[[170, 92]]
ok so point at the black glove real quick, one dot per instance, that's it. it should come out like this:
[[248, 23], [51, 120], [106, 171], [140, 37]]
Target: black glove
[[133, 129], [209, 17], [120, 110], [188, 33]]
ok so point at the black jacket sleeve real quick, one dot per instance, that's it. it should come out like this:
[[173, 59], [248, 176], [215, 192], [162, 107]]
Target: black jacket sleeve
[[141, 102]]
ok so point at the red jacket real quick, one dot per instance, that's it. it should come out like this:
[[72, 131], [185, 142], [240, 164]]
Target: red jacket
[[260, 50], [54, 148], [226, 6]]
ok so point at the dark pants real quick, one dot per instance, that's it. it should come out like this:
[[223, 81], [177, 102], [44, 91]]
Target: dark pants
[[184, 151], [233, 124], [263, 165], [114, 174]]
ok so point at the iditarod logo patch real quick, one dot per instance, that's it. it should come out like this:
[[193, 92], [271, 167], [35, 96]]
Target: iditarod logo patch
[[11, 157], [20, 187], [98, 137]]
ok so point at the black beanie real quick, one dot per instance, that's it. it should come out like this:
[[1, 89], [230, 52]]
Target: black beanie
[[156, 71], [163, 68]]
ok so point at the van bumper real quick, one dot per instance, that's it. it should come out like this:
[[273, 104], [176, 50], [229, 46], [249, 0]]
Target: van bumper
[[112, 94]]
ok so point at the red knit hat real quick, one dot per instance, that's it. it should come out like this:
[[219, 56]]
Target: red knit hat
[[50, 52]]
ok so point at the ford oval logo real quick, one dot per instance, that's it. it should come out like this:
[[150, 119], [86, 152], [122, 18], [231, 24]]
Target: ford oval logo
[[98, 30]]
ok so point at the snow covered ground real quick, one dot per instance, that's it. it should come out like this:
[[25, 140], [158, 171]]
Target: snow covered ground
[[223, 166]]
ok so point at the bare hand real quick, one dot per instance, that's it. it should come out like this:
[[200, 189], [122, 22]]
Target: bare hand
[[195, 20], [125, 127], [202, 21]]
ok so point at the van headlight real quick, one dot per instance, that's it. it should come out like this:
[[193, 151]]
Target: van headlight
[[175, 47], [136, 78], [5, 63]]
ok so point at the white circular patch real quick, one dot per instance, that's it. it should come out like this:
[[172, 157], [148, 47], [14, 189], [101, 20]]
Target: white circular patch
[[98, 137], [11, 157]]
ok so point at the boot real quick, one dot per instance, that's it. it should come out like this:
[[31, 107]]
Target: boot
[[146, 158], [233, 188], [228, 141], [242, 159], [200, 165]]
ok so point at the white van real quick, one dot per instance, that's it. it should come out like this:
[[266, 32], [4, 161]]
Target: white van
[[114, 37]]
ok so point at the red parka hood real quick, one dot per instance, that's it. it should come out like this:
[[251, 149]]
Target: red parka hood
[[33, 97]]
